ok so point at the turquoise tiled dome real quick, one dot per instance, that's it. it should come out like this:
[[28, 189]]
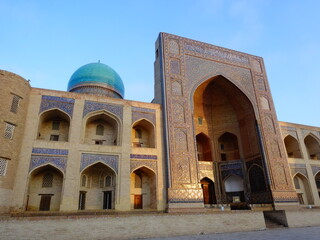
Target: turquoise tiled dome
[[96, 78]]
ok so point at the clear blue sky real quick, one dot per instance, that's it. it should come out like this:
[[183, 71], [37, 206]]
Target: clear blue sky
[[46, 41]]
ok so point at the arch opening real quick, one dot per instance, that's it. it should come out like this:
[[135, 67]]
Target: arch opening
[[54, 126], [101, 129], [302, 187], [44, 190], [313, 147], [143, 134], [292, 147], [203, 148], [209, 196], [97, 188], [143, 189]]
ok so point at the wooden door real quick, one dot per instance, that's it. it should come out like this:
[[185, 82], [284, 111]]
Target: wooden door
[[137, 201], [45, 202]]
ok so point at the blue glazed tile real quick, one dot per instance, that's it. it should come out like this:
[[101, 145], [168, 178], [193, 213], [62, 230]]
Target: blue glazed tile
[[50, 151], [90, 106], [89, 159], [51, 102]]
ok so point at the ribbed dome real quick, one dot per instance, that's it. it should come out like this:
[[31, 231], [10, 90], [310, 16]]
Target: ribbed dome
[[96, 78]]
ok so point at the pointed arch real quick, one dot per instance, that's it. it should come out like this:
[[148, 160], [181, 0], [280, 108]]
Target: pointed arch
[[110, 123], [143, 134], [292, 147], [229, 147], [204, 147], [54, 125], [312, 144], [302, 186], [208, 191], [257, 178]]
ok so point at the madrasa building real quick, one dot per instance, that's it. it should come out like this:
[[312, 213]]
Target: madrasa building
[[209, 140]]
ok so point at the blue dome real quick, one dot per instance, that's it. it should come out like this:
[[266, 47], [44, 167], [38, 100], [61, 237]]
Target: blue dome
[[96, 78]]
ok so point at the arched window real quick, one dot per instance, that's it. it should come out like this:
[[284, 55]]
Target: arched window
[[229, 149], [292, 147], [47, 180], [108, 181], [313, 147], [138, 180], [84, 181], [99, 130]]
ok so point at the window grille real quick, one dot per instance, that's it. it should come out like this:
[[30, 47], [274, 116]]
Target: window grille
[[9, 129], [3, 166], [55, 125], [15, 103], [108, 181], [47, 180]]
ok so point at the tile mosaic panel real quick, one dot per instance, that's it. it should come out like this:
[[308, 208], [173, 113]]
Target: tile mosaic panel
[[51, 102], [90, 106], [141, 156], [89, 159]]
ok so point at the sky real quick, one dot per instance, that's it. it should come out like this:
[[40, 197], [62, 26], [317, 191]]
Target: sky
[[46, 41]]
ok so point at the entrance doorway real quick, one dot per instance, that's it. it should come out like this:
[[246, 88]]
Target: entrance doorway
[[137, 201], [45, 202], [82, 200], [208, 191], [107, 199]]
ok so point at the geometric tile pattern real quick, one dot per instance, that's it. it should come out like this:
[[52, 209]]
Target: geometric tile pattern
[[141, 156], [90, 106], [89, 159], [64, 104], [59, 162]]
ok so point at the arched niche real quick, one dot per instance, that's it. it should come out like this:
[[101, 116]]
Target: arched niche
[[54, 125], [97, 187], [313, 147], [317, 180], [301, 184], [102, 128], [292, 147], [257, 179], [226, 109], [229, 147], [203, 147], [44, 190], [143, 190], [143, 134], [208, 191], [234, 189]]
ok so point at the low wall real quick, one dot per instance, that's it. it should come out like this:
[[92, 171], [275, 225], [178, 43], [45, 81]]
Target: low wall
[[303, 218]]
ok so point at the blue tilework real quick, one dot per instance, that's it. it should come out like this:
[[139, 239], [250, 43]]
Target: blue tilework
[[49, 151], [140, 115], [140, 109], [95, 106], [89, 159], [40, 160], [230, 166], [140, 156], [51, 102], [237, 172]]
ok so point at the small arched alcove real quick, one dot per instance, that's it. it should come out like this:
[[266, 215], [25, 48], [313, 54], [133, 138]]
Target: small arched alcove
[[97, 187], [54, 126], [44, 191], [292, 147], [229, 148], [313, 147], [234, 189], [102, 129], [203, 147], [142, 134], [143, 189]]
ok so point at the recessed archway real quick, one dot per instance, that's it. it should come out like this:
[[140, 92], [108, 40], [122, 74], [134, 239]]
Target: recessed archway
[[44, 191], [292, 147], [54, 126], [142, 134], [234, 189], [208, 191], [143, 189], [302, 187], [203, 147], [97, 187], [313, 147], [102, 128], [229, 148]]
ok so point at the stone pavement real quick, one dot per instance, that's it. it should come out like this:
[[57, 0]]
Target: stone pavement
[[306, 233], [99, 228]]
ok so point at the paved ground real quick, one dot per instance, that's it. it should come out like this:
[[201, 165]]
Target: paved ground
[[97, 228], [308, 233]]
